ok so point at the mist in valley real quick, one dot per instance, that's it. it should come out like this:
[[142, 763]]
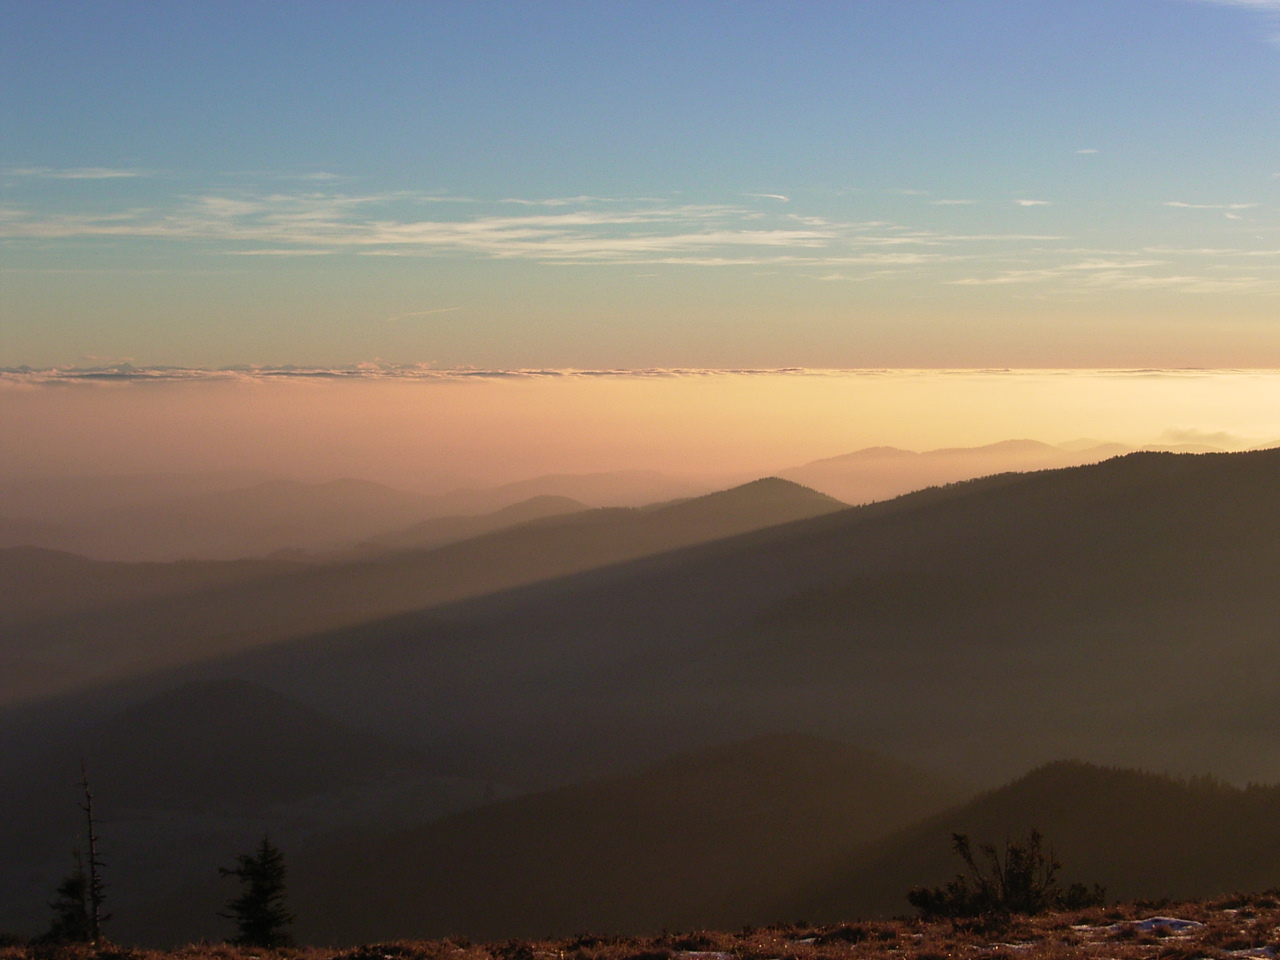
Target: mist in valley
[[671, 478], [781, 676]]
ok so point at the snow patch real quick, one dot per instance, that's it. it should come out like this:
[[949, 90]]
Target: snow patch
[[1152, 924]]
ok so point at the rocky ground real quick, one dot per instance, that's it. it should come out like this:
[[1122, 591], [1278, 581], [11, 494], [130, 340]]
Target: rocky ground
[[1237, 926]]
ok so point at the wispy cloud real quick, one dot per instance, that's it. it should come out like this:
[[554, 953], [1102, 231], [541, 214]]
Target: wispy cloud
[[79, 173], [560, 230], [551, 201], [1122, 274], [1086, 150], [771, 196], [278, 252], [648, 233], [1209, 206]]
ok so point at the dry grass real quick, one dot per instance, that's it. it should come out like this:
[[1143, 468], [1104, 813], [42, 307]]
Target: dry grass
[[1236, 927]]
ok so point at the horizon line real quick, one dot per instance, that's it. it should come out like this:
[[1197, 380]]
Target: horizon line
[[127, 372]]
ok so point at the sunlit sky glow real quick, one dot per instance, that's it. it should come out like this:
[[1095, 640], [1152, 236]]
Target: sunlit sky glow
[[435, 430], [621, 185]]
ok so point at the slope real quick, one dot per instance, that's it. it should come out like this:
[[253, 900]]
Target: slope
[[152, 633], [180, 780], [36, 583], [438, 531], [233, 515], [205, 745], [1138, 834], [1122, 612], [879, 473], [249, 521], [618, 488], [59, 498], [713, 838]]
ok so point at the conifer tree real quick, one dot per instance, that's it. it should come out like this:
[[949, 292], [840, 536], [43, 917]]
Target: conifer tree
[[94, 894], [259, 911], [71, 921]]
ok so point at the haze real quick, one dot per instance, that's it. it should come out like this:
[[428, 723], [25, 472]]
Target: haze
[[634, 466], [435, 431]]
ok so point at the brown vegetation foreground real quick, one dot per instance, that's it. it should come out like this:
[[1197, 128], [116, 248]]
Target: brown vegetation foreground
[[1236, 927]]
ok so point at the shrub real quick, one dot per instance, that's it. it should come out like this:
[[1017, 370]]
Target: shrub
[[1024, 881]]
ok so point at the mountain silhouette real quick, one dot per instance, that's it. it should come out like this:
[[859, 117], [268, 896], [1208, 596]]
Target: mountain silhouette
[[250, 521], [617, 488], [1122, 612], [438, 531], [1139, 834], [290, 599], [36, 583], [72, 497], [228, 516], [984, 627], [210, 744], [880, 473], [714, 838]]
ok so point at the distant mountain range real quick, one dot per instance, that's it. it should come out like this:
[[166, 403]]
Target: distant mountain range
[[229, 516], [61, 498], [1014, 610], [618, 488], [99, 619], [214, 517], [439, 531], [982, 628], [880, 473], [1121, 612]]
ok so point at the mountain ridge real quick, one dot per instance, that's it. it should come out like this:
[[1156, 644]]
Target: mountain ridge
[[705, 837], [293, 599], [1140, 834], [700, 632]]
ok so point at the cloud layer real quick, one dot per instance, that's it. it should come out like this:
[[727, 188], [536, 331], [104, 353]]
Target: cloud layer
[[124, 373], [765, 230]]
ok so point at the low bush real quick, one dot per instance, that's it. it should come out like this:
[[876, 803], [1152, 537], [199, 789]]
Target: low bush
[[1023, 881]]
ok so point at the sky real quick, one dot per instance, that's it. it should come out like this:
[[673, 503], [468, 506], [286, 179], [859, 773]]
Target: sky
[[581, 235], [440, 430], [628, 185]]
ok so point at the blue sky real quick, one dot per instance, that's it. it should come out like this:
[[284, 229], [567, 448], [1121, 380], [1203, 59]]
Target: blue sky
[[900, 183]]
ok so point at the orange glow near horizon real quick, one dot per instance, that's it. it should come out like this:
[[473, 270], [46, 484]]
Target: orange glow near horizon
[[439, 434]]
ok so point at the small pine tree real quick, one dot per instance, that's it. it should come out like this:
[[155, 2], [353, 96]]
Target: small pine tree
[[71, 919], [259, 911]]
